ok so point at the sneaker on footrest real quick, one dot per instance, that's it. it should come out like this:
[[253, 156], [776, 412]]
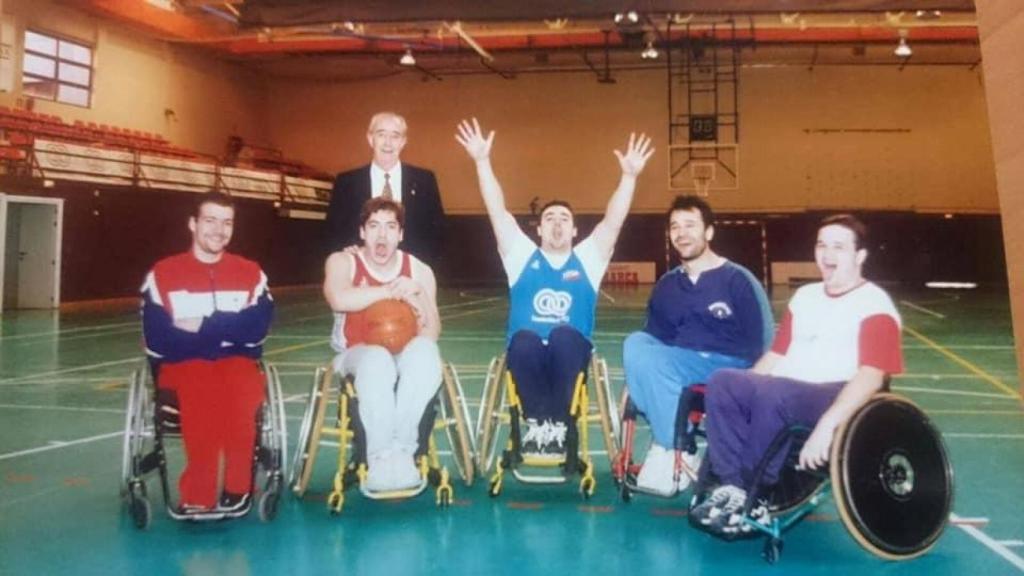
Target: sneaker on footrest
[[740, 524], [724, 500], [187, 509], [554, 439], [688, 473], [657, 471], [532, 439], [233, 504]]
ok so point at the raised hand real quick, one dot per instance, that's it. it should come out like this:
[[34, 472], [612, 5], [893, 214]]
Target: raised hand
[[472, 139], [638, 151]]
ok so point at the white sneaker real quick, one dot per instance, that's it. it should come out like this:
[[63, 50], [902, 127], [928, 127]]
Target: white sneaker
[[405, 473], [686, 477], [379, 473], [554, 442], [657, 471], [534, 437]]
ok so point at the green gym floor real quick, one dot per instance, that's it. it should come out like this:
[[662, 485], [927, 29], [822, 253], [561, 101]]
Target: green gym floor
[[62, 394]]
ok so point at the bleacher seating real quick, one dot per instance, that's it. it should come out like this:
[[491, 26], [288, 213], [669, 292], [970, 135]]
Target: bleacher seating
[[44, 146], [20, 127]]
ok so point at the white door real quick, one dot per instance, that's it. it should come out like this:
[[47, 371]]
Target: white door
[[31, 275]]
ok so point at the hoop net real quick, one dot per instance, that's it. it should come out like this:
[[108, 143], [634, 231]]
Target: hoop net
[[702, 174]]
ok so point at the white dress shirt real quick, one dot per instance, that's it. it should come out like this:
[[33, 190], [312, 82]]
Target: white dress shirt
[[377, 181]]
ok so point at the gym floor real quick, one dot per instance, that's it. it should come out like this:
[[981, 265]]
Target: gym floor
[[62, 393]]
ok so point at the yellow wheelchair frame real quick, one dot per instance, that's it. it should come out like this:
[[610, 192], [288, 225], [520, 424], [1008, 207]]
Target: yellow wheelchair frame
[[451, 416], [501, 406]]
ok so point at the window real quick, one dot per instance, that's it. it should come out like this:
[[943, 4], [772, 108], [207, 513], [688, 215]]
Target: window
[[57, 69]]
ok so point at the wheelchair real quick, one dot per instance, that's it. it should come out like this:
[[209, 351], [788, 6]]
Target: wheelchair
[[689, 415], [447, 413], [889, 474], [152, 417], [500, 407]]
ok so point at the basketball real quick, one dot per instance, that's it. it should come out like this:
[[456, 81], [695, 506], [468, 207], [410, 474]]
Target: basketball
[[390, 323]]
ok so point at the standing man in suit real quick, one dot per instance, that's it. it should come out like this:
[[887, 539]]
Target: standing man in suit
[[412, 187]]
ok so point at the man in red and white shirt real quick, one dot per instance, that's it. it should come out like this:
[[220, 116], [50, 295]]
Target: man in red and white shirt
[[393, 390], [205, 315], [838, 340]]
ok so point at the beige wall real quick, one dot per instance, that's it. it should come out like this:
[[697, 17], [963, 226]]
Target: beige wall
[[1001, 24], [805, 134], [556, 134], [137, 79]]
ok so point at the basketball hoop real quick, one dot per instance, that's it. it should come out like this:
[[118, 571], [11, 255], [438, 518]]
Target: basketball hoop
[[702, 174]]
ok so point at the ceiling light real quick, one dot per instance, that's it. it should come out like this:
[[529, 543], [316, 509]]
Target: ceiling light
[[903, 49], [650, 52], [407, 59], [627, 18], [162, 4]]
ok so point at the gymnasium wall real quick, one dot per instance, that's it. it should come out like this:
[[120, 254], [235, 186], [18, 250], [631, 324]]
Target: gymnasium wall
[[833, 137], [113, 235], [888, 142], [193, 99]]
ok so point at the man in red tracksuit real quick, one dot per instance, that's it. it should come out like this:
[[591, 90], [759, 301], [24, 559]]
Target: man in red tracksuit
[[205, 314]]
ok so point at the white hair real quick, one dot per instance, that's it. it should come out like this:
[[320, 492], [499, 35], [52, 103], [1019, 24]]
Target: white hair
[[381, 116]]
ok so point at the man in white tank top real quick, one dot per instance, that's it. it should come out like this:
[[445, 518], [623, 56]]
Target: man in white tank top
[[393, 389]]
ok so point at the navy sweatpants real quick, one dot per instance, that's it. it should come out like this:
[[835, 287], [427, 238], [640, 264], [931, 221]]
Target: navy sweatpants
[[545, 374], [745, 411]]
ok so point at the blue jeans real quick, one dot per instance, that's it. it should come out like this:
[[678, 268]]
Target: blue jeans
[[657, 373]]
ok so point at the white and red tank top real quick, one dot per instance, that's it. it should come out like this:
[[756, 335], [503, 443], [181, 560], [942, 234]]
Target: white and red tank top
[[350, 327]]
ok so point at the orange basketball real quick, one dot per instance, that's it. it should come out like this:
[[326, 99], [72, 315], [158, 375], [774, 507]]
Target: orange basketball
[[391, 324]]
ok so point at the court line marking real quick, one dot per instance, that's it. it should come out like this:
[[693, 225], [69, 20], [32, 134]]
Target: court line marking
[[910, 304], [936, 376], [295, 347], [989, 542], [470, 303], [62, 408], [68, 331], [963, 362], [976, 412], [966, 347], [955, 392], [62, 444], [982, 435], [62, 340], [23, 379]]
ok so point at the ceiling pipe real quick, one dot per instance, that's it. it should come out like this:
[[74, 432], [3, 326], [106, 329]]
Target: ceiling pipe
[[220, 34], [251, 45]]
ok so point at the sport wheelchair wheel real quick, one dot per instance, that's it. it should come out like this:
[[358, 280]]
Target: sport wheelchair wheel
[[490, 415], [454, 415], [607, 411], [137, 428], [309, 432], [892, 479]]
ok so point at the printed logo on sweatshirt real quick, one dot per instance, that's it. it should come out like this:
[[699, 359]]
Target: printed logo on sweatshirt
[[720, 310]]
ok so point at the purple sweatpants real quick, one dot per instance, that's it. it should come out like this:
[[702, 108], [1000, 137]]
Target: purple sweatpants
[[745, 411]]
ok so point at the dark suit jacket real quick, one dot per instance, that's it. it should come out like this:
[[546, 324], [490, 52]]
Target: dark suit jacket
[[424, 215]]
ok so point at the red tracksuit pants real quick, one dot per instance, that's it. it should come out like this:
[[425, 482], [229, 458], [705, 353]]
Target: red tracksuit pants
[[218, 401]]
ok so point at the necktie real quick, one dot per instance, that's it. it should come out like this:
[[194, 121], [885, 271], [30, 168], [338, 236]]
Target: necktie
[[387, 194]]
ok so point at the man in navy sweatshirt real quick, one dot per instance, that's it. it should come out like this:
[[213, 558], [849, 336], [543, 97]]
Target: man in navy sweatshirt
[[708, 313]]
